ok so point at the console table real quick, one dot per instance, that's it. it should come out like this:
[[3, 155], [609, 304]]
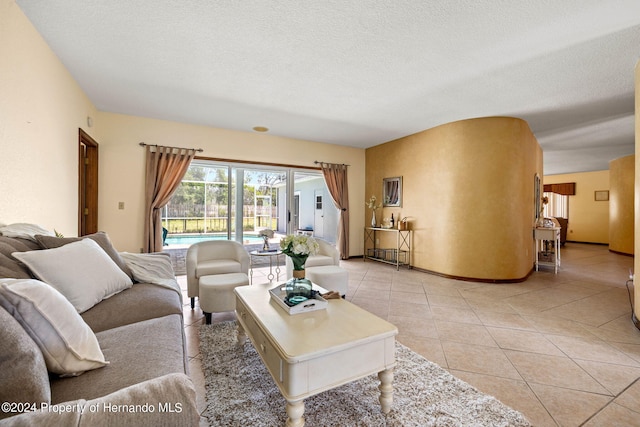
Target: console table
[[398, 255], [544, 257]]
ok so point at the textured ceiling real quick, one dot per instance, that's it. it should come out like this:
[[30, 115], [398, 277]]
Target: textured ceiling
[[362, 73]]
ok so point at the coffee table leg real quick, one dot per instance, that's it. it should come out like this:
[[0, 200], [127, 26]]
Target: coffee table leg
[[241, 335], [295, 410], [386, 389]]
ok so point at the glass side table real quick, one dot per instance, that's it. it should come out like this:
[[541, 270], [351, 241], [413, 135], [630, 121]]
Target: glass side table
[[271, 254]]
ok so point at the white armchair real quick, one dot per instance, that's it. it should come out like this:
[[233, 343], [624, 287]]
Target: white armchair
[[327, 255], [324, 268], [213, 257]]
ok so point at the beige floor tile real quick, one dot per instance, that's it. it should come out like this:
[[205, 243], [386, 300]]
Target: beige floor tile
[[399, 308], [490, 305], [464, 333], [630, 397], [408, 297], [448, 301], [614, 415], [595, 310], [197, 376], [505, 320], [592, 349], [527, 341], [429, 348], [478, 359], [515, 393], [557, 326], [425, 328], [379, 307], [615, 378], [554, 371], [456, 314], [414, 288], [192, 339], [569, 408]]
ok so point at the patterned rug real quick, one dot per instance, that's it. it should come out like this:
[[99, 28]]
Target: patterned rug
[[240, 392]]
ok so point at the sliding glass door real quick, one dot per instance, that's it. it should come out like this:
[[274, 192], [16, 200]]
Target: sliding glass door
[[236, 201]]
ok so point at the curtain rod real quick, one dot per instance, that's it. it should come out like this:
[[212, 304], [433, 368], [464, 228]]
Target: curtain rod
[[200, 150], [317, 163]]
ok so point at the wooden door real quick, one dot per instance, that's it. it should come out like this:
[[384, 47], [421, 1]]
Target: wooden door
[[87, 184]]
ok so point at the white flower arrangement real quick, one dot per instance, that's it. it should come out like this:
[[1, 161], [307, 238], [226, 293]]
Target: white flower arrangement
[[299, 245], [371, 204]]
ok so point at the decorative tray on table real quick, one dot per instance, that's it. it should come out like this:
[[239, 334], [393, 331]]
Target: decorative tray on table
[[278, 295]]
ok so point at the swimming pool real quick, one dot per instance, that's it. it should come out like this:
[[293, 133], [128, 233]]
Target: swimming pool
[[190, 239]]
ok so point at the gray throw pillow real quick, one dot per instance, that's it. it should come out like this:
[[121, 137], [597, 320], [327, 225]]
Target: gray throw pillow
[[23, 372]]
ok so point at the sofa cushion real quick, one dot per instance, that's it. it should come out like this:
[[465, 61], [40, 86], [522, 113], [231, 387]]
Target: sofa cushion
[[10, 266], [171, 400], [81, 271], [136, 352], [68, 345], [24, 231], [101, 238], [142, 301], [23, 373]]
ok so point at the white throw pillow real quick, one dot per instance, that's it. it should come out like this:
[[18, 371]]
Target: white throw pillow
[[68, 344], [24, 231], [82, 271]]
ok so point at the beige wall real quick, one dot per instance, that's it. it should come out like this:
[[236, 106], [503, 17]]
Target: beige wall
[[622, 180], [588, 219], [468, 189], [122, 166], [41, 109]]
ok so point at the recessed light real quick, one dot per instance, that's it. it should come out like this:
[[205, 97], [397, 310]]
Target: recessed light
[[260, 129]]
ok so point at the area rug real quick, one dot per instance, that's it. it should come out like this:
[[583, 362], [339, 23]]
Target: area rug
[[240, 392]]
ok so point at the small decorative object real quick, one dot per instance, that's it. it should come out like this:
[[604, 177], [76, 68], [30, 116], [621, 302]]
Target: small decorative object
[[316, 302], [403, 224], [373, 205], [266, 234], [298, 290], [541, 221]]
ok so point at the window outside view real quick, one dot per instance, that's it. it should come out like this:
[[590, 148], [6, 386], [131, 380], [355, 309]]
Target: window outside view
[[205, 205]]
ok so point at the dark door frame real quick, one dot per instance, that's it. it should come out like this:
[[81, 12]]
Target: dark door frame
[[87, 184]]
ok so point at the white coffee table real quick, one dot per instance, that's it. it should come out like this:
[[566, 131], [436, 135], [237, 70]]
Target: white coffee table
[[309, 353]]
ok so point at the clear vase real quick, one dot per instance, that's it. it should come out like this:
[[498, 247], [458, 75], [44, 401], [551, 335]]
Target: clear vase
[[298, 290]]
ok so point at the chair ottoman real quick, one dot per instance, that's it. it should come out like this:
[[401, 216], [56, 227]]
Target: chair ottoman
[[216, 292], [330, 277]]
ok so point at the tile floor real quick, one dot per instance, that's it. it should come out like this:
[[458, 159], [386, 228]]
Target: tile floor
[[560, 348]]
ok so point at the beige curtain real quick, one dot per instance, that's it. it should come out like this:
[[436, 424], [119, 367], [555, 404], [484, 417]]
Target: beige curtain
[[165, 168], [335, 176]]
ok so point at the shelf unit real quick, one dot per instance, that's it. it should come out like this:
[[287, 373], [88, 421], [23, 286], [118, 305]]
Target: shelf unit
[[546, 257], [398, 255]]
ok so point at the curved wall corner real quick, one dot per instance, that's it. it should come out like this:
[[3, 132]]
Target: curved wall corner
[[468, 191], [621, 212]]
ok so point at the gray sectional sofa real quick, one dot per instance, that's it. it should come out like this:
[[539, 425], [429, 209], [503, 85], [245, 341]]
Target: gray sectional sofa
[[139, 374]]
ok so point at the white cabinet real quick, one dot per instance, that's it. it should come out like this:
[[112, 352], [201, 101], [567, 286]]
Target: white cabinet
[[547, 246]]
